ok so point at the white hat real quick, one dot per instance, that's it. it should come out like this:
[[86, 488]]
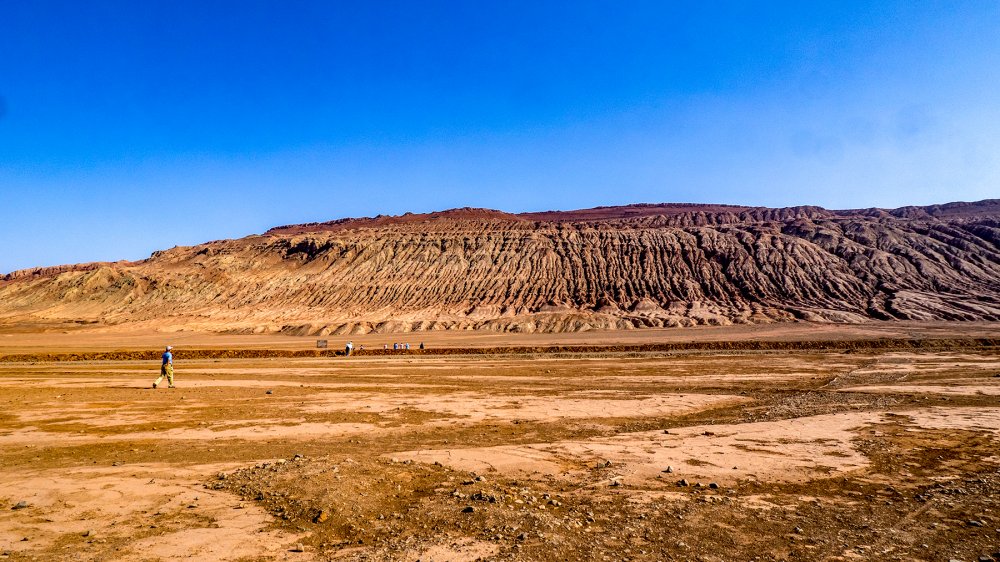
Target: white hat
[[169, 347]]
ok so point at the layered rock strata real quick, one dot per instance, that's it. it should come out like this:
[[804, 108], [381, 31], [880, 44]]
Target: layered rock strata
[[605, 268]]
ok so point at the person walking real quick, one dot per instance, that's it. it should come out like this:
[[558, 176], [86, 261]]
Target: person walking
[[166, 369], [349, 348]]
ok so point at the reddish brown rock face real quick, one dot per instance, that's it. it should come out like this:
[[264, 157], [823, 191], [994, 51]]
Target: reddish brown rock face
[[614, 267]]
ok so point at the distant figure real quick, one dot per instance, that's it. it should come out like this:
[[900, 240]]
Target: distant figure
[[421, 345], [385, 346], [349, 348], [407, 346], [362, 348], [395, 346], [166, 369]]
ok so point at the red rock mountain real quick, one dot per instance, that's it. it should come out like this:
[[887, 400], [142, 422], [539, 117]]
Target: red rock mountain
[[608, 267]]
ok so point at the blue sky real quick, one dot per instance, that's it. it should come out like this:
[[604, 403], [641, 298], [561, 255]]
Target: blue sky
[[127, 127]]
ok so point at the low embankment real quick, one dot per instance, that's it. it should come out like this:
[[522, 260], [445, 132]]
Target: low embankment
[[806, 345]]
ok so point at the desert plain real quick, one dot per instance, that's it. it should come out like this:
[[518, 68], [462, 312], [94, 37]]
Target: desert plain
[[791, 441]]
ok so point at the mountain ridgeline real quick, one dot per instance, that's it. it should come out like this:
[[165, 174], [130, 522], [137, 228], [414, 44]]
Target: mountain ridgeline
[[605, 268]]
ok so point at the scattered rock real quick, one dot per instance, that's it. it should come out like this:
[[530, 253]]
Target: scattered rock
[[322, 517], [683, 482], [298, 548], [669, 470], [974, 523], [468, 509], [713, 485], [20, 505], [269, 391]]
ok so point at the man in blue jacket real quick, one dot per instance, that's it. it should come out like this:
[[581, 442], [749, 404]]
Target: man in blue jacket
[[166, 369]]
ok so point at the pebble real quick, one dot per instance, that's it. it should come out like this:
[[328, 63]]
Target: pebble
[[669, 469], [683, 483], [469, 509], [322, 516], [298, 548], [269, 391], [713, 485], [974, 523], [20, 505]]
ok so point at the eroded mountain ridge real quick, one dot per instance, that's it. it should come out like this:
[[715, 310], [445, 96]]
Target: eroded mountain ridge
[[610, 267]]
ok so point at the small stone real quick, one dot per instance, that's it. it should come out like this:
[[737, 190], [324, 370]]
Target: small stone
[[298, 548], [222, 476], [88, 533], [666, 432], [669, 470], [480, 479], [269, 391], [322, 516], [798, 530], [20, 505], [713, 485], [297, 457], [683, 482], [468, 509], [974, 523], [522, 537]]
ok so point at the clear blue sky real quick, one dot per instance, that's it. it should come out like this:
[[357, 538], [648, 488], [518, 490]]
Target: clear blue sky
[[127, 127]]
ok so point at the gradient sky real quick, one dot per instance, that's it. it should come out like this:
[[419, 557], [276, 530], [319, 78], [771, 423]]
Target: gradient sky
[[127, 127]]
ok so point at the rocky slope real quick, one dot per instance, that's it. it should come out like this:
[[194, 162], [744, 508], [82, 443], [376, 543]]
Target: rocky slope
[[612, 267]]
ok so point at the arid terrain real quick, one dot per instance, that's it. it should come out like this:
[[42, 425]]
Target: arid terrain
[[789, 441], [620, 268], [652, 382]]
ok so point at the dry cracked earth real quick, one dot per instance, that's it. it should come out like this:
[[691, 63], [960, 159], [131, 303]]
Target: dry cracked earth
[[716, 456]]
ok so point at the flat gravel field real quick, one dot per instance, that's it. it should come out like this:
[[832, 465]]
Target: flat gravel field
[[870, 452]]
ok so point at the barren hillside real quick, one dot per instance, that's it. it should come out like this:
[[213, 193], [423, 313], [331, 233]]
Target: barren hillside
[[610, 267]]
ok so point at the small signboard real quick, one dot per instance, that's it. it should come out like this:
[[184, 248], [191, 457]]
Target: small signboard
[[321, 344]]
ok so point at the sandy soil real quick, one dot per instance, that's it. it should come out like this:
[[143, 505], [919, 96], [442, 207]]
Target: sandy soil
[[806, 455]]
